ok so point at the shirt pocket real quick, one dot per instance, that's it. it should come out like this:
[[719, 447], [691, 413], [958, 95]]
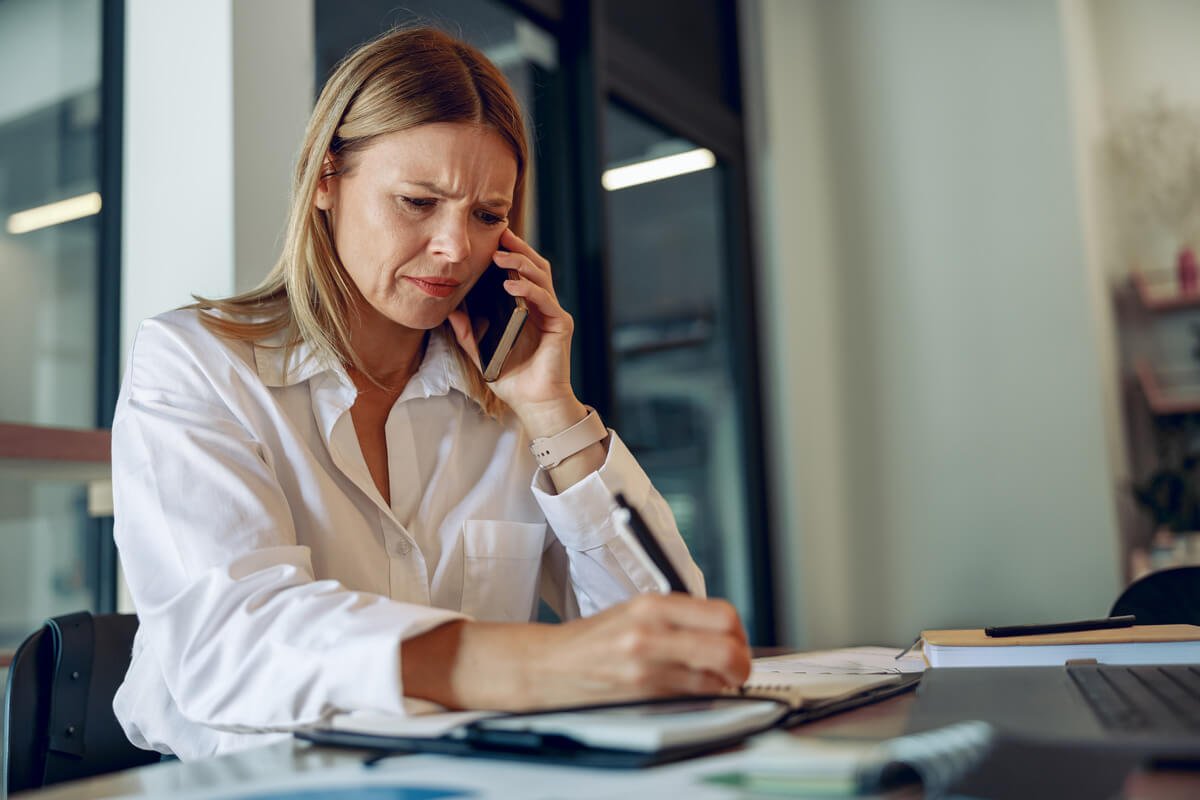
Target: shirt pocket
[[500, 569]]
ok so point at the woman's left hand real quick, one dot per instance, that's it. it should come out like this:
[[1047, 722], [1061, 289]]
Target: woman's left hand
[[536, 379]]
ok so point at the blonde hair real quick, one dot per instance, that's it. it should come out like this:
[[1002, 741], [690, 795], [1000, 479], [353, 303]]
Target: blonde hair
[[402, 79]]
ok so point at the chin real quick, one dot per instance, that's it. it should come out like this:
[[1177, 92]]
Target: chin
[[424, 320]]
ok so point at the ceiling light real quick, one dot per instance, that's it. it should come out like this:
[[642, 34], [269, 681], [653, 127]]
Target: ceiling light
[[657, 169], [72, 208]]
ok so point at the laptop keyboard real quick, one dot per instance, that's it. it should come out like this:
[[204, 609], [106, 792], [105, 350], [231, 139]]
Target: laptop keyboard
[[1143, 698]]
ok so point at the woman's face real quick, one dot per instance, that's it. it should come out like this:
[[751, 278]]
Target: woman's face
[[417, 215]]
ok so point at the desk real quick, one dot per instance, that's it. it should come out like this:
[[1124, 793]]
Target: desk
[[298, 765]]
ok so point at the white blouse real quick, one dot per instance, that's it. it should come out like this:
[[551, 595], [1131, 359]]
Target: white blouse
[[274, 584]]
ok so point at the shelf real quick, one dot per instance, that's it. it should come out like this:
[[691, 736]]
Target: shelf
[[1160, 292], [1169, 392]]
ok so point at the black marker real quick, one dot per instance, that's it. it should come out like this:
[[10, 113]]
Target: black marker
[[650, 545], [1062, 627]]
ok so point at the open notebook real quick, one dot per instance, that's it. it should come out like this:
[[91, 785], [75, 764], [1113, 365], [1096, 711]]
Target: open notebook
[[620, 734], [807, 693]]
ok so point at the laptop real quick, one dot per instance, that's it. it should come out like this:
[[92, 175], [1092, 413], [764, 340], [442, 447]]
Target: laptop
[[1151, 710]]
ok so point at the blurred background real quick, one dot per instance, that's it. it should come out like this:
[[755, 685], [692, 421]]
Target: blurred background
[[896, 302]]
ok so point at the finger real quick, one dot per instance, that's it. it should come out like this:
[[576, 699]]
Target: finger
[[555, 319], [672, 679], [684, 611], [516, 244], [525, 268], [643, 644], [715, 654]]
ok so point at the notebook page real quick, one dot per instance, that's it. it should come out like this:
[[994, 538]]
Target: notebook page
[[846, 661]]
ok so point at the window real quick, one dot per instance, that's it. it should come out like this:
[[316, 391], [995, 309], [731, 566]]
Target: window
[[57, 313], [672, 326]]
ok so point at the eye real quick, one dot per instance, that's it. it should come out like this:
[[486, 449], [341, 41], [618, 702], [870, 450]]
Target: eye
[[418, 203], [488, 218]]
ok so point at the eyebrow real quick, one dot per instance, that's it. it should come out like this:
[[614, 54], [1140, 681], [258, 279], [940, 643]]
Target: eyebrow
[[493, 202]]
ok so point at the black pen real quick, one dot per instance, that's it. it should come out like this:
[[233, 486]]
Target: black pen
[[650, 545], [1061, 627], [908, 649]]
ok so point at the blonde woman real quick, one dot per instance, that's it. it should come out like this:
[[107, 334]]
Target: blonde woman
[[320, 505]]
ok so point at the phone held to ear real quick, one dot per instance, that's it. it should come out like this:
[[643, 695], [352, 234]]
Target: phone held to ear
[[496, 319]]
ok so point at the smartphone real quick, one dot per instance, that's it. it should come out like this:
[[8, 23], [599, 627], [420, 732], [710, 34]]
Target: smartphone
[[496, 319]]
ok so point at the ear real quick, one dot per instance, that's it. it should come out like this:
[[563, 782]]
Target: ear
[[327, 185]]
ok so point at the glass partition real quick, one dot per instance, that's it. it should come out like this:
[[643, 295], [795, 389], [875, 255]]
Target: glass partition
[[672, 338], [50, 109]]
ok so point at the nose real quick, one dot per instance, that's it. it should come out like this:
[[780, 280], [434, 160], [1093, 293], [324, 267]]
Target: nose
[[451, 239]]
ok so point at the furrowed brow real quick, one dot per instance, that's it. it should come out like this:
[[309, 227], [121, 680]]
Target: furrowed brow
[[499, 202]]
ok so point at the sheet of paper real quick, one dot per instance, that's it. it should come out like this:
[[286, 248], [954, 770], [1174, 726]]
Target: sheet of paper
[[846, 661]]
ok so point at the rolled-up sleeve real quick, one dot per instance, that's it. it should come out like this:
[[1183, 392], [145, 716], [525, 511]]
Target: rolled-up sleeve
[[246, 639], [602, 570]]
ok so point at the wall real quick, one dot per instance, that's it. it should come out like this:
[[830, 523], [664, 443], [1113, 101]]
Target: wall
[[799, 295], [217, 94], [936, 383], [1146, 47]]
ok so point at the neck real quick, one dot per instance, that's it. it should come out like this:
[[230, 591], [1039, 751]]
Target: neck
[[389, 353]]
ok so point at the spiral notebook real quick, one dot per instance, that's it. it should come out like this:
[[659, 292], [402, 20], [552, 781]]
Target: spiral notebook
[[781, 764], [813, 696]]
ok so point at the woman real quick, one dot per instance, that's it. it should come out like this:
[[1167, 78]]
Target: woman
[[321, 507]]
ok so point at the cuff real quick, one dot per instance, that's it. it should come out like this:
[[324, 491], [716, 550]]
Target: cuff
[[376, 683], [581, 515]]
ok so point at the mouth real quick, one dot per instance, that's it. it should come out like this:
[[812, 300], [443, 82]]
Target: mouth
[[434, 287]]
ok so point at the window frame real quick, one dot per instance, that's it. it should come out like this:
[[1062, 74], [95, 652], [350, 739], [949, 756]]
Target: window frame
[[600, 63]]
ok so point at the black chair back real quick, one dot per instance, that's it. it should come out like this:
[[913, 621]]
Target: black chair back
[[1167, 597], [60, 724]]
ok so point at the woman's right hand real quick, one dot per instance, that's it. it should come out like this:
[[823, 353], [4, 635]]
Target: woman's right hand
[[649, 646]]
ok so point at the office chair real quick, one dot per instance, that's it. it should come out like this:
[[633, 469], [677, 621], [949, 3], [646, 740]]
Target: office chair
[[1166, 597], [58, 712]]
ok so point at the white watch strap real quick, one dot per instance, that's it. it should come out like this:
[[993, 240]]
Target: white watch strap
[[550, 451]]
